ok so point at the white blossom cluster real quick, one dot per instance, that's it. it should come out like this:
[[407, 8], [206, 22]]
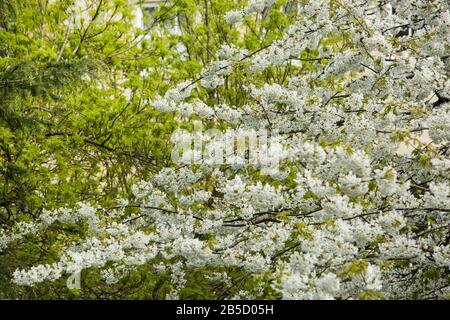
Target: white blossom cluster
[[350, 217]]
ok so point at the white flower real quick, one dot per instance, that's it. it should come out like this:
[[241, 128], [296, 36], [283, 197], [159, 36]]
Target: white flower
[[234, 16]]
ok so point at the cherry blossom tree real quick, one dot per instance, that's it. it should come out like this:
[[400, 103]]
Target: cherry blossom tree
[[354, 98]]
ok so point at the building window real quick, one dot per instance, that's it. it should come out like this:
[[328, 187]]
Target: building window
[[148, 13]]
